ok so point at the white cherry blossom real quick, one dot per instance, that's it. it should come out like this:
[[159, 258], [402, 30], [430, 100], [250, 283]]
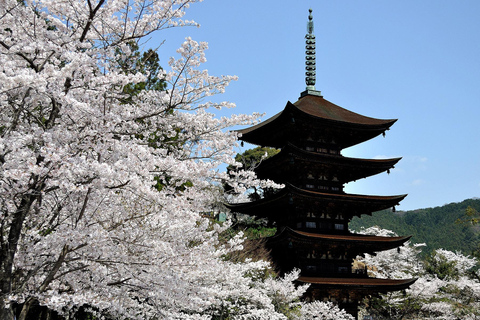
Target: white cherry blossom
[[81, 223]]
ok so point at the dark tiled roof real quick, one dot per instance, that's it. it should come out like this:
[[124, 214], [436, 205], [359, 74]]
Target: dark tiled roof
[[352, 237], [349, 168], [387, 201], [395, 284], [260, 125], [346, 196], [319, 107], [364, 243], [322, 157]]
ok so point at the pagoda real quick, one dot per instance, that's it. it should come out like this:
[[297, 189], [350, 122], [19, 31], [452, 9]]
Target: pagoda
[[312, 211]]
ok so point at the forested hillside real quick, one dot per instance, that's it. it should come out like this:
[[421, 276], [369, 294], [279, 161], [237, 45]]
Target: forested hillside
[[437, 227]]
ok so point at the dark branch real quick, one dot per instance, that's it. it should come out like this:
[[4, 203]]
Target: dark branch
[[90, 18]]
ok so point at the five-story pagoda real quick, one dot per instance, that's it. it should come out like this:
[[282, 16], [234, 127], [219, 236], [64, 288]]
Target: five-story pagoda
[[312, 212]]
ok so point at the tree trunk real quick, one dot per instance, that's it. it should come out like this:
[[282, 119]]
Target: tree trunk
[[8, 251], [26, 307], [6, 312]]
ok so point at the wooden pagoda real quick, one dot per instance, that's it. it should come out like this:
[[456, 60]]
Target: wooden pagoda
[[312, 212]]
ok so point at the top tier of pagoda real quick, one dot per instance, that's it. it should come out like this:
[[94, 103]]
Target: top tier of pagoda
[[312, 122]]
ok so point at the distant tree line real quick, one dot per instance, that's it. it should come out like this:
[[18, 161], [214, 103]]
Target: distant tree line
[[430, 226]]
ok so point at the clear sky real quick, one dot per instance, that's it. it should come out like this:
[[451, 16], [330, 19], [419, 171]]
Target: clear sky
[[415, 61]]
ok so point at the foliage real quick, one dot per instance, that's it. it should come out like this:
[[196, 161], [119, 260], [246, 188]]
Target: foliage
[[251, 158], [248, 161], [429, 226], [147, 63], [472, 216], [438, 265]]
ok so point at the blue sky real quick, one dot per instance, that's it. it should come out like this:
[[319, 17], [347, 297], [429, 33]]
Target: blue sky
[[415, 61]]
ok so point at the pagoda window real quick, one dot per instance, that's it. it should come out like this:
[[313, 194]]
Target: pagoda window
[[335, 189], [340, 217], [322, 177], [310, 176], [333, 151], [310, 224], [322, 150], [312, 255], [310, 186], [342, 269], [311, 215], [339, 226], [323, 188], [310, 148], [324, 225], [335, 178], [311, 268]]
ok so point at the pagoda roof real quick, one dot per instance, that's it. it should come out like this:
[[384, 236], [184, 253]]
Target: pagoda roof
[[361, 284], [345, 237], [352, 168], [318, 111], [368, 243], [268, 207], [317, 106]]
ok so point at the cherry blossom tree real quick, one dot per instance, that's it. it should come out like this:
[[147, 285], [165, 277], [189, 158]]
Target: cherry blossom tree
[[447, 285], [319, 310], [102, 189]]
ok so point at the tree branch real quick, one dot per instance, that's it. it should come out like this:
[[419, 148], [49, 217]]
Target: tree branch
[[116, 283], [56, 267], [84, 206], [90, 18]]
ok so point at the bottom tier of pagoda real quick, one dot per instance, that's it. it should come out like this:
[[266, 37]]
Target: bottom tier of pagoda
[[328, 263]]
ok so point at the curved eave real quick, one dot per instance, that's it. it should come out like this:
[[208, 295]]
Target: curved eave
[[259, 207], [346, 196], [320, 112], [366, 243], [367, 284], [342, 237], [262, 125], [373, 166]]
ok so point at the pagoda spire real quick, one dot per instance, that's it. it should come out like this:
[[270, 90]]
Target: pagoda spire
[[310, 59], [310, 54]]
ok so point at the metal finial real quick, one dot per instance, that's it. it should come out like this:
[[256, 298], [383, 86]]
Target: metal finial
[[310, 22], [310, 54], [310, 60]]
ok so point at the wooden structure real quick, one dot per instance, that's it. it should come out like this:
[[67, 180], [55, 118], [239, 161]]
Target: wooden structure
[[312, 212]]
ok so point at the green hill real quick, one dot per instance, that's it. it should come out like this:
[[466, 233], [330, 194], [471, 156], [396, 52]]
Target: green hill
[[436, 227]]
